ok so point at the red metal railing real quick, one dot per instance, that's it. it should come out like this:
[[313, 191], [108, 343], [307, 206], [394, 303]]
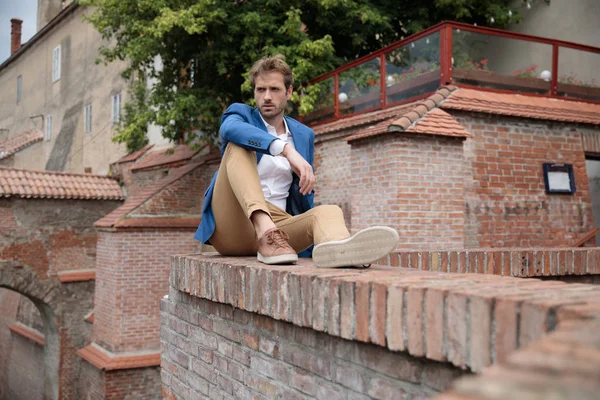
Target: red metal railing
[[452, 52]]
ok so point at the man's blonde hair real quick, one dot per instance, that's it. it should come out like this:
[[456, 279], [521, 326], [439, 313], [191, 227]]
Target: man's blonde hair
[[270, 64]]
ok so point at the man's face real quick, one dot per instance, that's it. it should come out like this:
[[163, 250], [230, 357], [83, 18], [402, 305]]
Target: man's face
[[270, 94]]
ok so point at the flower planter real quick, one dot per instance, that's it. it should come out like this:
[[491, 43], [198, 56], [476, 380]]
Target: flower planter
[[579, 91], [491, 79]]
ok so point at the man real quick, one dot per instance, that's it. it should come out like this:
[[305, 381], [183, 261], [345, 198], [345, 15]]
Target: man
[[261, 199]]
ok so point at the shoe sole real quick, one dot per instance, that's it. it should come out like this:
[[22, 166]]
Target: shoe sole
[[275, 260], [365, 247]]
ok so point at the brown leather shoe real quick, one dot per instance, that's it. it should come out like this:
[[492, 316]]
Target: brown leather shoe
[[273, 248]]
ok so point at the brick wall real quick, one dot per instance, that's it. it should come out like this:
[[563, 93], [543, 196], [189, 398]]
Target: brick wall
[[387, 316], [132, 276], [141, 383], [51, 235], [223, 311], [213, 350], [333, 173], [506, 204], [412, 183]]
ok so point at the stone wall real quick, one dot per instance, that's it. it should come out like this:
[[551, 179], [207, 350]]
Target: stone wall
[[51, 235]]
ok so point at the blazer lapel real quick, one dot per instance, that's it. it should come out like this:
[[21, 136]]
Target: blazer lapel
[[258, 122]]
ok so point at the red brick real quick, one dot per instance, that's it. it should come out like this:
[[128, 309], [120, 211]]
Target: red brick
[[395, 318], [480, 309], [378, 313], [415, 302], [456, 309], [361, 307], [347, 311], [434, 306]]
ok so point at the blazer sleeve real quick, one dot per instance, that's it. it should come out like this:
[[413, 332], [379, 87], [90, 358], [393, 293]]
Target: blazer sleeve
[[236, 128]]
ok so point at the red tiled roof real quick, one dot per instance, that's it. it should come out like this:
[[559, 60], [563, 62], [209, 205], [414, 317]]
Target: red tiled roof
[[436, 122], [144, 195], [363, 119], [135, 155], [30, 184], [164, 156], [424, 117], [12, 145], [523, 106]]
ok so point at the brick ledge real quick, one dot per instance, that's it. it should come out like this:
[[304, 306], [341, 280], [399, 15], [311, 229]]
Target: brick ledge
[[28, 333], [77, 275], [469, 320], [108, 361], [517, 262]]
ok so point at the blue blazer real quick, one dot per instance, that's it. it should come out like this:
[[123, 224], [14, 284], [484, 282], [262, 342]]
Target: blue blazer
[[243, 126]]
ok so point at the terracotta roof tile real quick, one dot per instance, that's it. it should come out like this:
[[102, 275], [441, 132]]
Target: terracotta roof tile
[[363, 119], [57, 185], [16, 143], [437, 122], [147, 192], [157, 157], [523, 106], [440, 123], [135, 155]]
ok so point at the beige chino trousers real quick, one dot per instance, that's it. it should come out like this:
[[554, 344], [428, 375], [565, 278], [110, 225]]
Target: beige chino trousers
[[238, 193]]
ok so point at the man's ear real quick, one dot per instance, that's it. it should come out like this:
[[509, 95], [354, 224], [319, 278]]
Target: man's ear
[[289, 92]]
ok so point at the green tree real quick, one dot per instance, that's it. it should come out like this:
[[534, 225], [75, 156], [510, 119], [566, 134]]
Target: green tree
[[206, 48]]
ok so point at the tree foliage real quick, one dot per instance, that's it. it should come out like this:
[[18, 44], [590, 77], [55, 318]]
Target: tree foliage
[[199, 52]]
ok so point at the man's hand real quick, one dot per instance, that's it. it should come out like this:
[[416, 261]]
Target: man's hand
[[302, 168]]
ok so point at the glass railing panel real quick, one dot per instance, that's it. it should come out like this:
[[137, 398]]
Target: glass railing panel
[[500, 62], [413, 69], [320, 96], [360, 88], [578, 74]]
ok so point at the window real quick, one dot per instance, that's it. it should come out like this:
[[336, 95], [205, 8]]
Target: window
[[19, 87], [56, 64], [87, 120], [116, 107], [48, 127]]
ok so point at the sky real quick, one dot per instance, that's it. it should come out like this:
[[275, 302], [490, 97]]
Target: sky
[[22, 9]]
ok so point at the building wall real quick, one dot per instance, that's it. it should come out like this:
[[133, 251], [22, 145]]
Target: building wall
[[82, 82], [212, 350], [131, 384], [51, 235], [332, 172], [561, 19], [132, 275], [9, 304], [26, 371], [413, 183], [506, 203]]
